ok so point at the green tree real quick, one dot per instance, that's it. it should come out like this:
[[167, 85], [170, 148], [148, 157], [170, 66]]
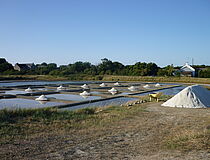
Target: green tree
[[166, 71], [5, 66]]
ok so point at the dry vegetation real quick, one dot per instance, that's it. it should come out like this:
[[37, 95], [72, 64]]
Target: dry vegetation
[[158, 79], [109, 78], [32, 77], [190, 139], [143, 131]]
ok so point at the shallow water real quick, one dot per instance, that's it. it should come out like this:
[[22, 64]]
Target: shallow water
[[34, 83], [96, 92], [170, 91], [124, 93], [15, 92], [45, 89], [72, 97], [31, 83], [123, 100], [25, 103], [110, 102]]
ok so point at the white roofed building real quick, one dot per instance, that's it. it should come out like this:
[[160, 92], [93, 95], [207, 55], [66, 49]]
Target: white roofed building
[[187, 70]]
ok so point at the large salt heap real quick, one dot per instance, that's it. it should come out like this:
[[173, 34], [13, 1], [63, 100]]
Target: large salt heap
[[191, 97]]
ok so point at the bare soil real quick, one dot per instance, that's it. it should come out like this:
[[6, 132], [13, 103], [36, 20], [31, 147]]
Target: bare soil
[[158, 133]]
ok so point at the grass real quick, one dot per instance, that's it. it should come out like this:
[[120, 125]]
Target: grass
[[51, 78], [25, 123], [32, 77], [107, 78], [48, 114], [30, 132], [157, 79], [190, 140]]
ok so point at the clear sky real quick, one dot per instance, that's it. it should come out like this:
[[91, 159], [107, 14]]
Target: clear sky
[[128, 31]]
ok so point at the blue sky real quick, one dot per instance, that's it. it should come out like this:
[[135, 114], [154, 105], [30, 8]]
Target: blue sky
[[128, 31]]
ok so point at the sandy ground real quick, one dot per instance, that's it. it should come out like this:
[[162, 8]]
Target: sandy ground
[[134, 138]]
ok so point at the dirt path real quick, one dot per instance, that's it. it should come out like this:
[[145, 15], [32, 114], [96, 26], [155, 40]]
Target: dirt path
[[139, 137]]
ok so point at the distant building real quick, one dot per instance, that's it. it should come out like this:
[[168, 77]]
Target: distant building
[[24, 67], [187, 70]]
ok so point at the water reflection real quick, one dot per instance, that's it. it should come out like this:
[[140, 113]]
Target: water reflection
[[42, 102], [15, 92], [72, 97], [170, 91], [23, 83], [110, 102], [25, 103]]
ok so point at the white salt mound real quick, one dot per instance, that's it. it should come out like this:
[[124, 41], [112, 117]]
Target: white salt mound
[[102, 85], [61, 88], [193, 96], [132, 88], [113, 90], [117, 84], [85, 93], [146, 86], [29, 90], [157, 85], [85, 86], [42, 98]]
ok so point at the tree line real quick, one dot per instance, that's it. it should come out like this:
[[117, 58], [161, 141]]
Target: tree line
[[106, 67]]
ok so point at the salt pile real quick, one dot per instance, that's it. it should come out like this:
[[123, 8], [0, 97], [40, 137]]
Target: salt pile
[[157, 85], [117, 84], [132, 88], [85, 86], [113, 91], [85, 93], [193, 96], [102, 85], [29, 90], [146, 86], [42, 98], [61, 88]]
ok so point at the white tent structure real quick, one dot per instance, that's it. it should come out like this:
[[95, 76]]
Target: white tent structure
[[190, 97]]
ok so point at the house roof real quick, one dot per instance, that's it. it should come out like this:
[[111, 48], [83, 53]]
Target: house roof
[[187, 68], [25, 66]]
